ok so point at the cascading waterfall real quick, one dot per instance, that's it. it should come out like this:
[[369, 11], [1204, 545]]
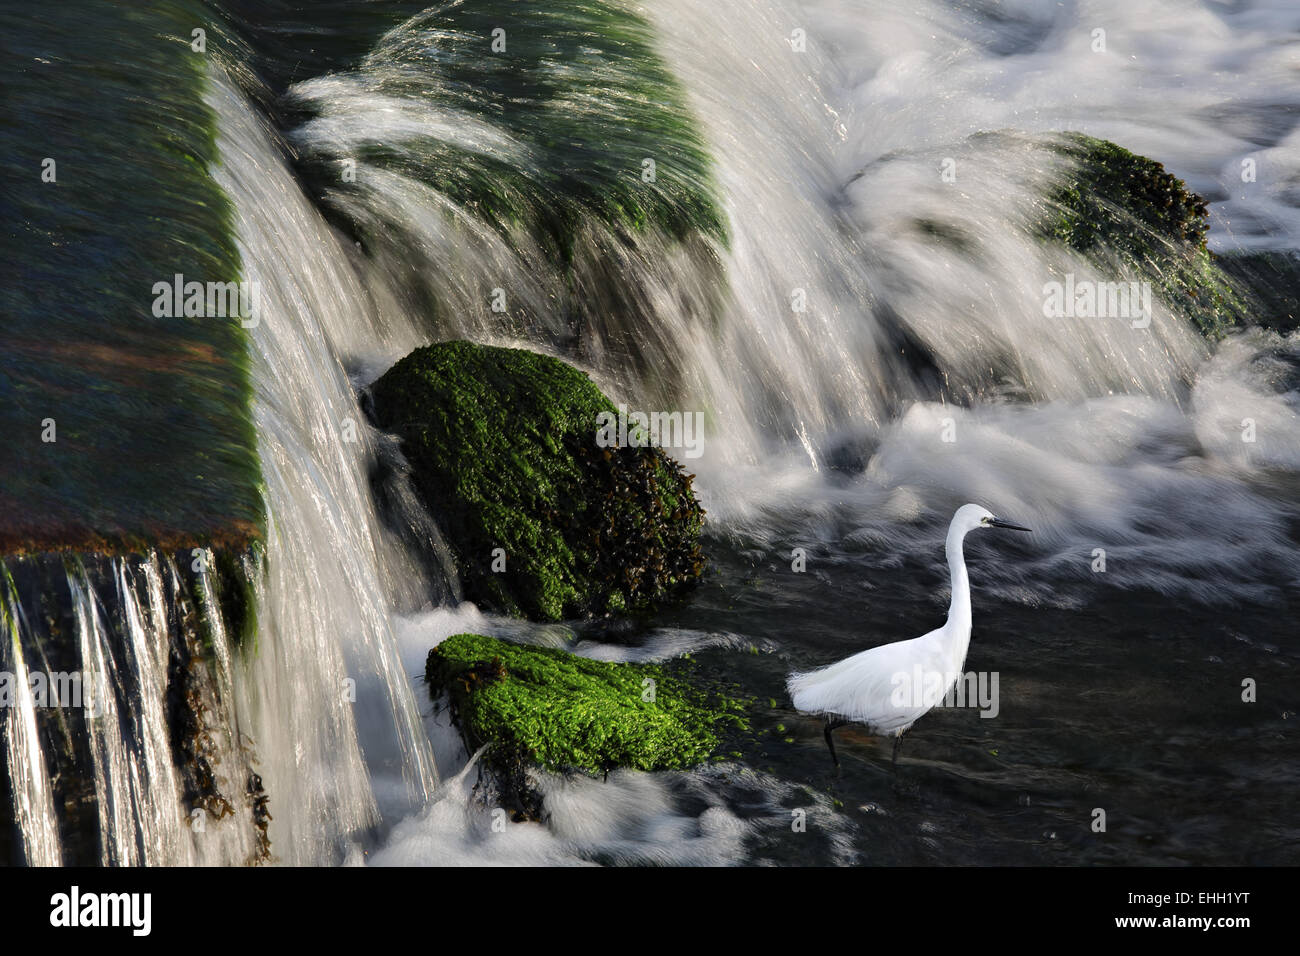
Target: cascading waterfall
[[117, 780], [863, 303], [833, 289], [134, 718], [28, 777], [325, 674], [142, 817], [489, 215], [321, 674]]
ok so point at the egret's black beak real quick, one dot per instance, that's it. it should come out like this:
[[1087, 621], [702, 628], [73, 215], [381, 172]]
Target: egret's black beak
[[999, 523]]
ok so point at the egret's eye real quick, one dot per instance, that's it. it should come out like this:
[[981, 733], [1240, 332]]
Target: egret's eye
[[985, 520]]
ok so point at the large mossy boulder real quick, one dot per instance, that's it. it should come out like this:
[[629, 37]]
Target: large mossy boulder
[[544, 707], [545, 522], [1117, 205]]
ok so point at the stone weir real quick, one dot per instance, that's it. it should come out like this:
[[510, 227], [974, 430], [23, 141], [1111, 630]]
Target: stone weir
[[131, 511]]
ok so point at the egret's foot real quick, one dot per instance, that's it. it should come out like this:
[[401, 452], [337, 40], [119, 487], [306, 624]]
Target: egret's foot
[[831, 725], [898, 745]]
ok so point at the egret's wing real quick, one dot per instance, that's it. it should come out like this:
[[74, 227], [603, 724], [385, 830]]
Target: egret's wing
[[884, 687]]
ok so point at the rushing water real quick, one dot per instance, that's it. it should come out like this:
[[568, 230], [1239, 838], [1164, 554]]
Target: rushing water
[[125, 637], [326, 674], [917, 373], [29, 779]]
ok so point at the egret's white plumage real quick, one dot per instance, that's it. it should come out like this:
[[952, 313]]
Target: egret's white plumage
[[888, 688]]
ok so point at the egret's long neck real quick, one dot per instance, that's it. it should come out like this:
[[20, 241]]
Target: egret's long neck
[[959, 609]]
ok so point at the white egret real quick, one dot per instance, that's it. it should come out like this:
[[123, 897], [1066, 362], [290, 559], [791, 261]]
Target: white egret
[[888, 688]]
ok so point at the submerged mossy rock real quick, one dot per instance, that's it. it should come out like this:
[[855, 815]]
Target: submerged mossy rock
[[1115, 186], [1118, 204], [502, 443], [544, 707], [575, 103], [580, 181]]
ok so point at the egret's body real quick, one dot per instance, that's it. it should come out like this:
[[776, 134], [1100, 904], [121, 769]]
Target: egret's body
[[888, 688]]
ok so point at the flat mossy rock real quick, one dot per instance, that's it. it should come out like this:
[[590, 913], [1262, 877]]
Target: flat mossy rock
[[1117, 203], [502, 443], [544, 707]]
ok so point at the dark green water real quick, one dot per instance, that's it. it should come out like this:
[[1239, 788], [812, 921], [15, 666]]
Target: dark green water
[[152, 432]]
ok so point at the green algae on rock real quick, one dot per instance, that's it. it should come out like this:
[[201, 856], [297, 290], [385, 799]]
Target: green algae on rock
[[545, 707], [545, 523], [578, 99], [1113, 184], [1117, 204]]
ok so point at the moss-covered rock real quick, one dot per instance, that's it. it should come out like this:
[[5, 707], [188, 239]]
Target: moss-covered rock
[[580, 99], [502, 443], [548, 708], [1112, 188], [1116, 204]]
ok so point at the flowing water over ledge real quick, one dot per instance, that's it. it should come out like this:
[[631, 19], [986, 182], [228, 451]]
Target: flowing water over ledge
[[1119, 689]]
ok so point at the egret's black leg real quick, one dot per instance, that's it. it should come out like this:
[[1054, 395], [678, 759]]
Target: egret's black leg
[[832, 724], [898, 744]]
